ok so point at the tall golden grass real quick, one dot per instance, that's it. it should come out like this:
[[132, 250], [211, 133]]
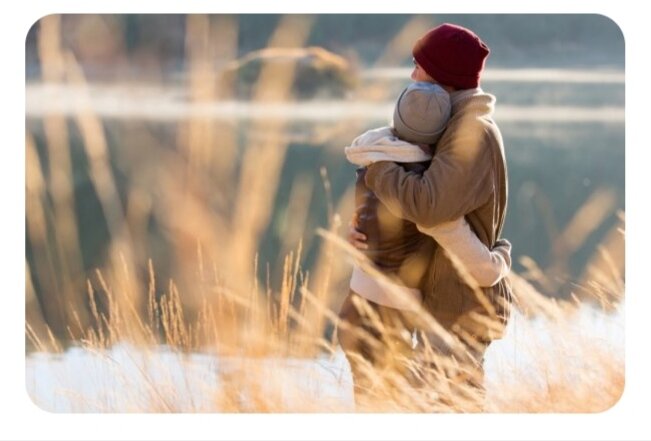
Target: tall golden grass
[[215, 215]]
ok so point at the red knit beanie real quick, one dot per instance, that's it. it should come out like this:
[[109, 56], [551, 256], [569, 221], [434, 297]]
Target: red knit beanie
[[452, 55]]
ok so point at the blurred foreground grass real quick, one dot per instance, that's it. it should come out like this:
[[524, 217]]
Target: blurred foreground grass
[[214, 201]]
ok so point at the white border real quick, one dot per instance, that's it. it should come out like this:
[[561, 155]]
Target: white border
[[22, 420]]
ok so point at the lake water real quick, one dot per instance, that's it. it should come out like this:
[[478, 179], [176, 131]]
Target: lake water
[[563, 132]]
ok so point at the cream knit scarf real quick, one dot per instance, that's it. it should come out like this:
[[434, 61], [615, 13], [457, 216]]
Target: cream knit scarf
[[382, 145]]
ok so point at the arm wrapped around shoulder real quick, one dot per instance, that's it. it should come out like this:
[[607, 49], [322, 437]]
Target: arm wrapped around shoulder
[[459, 180]]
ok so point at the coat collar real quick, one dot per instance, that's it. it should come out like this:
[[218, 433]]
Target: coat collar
[[475, 99]]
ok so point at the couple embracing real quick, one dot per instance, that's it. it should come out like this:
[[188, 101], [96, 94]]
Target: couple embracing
[[431, 196]]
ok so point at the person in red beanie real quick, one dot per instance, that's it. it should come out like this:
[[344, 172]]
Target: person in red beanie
[[452, 56], [467, 178]]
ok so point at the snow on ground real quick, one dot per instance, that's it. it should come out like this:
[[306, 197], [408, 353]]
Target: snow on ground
[[129, 380], [537, 352]]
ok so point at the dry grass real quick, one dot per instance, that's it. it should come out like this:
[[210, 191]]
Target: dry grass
[[263, 366], [214, 301]]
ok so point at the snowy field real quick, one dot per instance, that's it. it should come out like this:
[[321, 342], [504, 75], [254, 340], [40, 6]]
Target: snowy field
[[534, 353]]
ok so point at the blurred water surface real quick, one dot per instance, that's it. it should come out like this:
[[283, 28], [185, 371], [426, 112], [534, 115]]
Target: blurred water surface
[[563, 134]]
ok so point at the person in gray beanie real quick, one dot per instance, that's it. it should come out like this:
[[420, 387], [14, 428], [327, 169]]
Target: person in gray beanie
[[396, 247], [467, 177]]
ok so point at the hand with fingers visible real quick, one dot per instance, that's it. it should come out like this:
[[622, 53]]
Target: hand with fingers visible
[[355, 237]]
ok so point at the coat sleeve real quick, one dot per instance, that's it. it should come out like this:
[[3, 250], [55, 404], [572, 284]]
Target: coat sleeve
[[486, 266], [458, 181]]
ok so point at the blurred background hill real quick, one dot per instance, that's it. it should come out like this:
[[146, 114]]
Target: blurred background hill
[[149, 43]]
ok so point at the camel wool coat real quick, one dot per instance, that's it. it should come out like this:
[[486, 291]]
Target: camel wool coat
[[467, 177]]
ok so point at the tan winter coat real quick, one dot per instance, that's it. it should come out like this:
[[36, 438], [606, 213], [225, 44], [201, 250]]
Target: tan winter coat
[[467, 176]]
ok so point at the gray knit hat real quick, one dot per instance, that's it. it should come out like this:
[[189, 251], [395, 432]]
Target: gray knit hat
[[422, 113]]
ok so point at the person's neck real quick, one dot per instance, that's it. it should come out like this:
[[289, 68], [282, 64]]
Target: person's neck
[[448, 89], [457, 95]]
